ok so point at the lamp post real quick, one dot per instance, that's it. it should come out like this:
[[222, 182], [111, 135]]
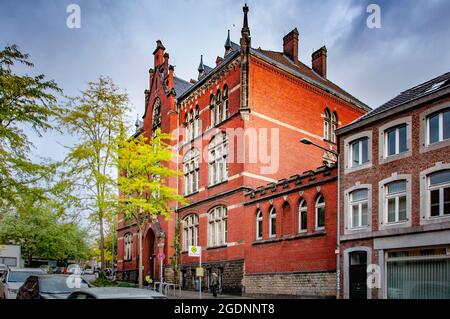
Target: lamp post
[[337, 252]]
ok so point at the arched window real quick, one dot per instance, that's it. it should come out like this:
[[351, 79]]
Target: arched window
[[190, 231], [128, 246], [219, 109], [218, 159], [359, 208], [259, 224], [302, 216], [334, 123], [156, 116], [320, 213], [217, 226], [326, 125], [191, 171], [212, 107], [272, 222], [225, 103]]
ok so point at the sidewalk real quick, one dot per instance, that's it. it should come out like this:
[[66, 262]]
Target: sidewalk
[[189, 294]]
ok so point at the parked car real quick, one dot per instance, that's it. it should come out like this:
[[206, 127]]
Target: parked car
[[51, 286], [74, 269], [10, 284], [115, 293], [88, 271]]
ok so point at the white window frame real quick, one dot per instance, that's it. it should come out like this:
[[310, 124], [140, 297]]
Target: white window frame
[[348, 156], [383, 138], [317, 206], [348, 212], [259, 218], [396, 197], [383, 223], [302, 209], [217, 226], [326, 124], [425, 200], [191, 168], [397, 140], [190, 231], [218, 159], [360, 151], [441, 139], [272, 216], [441, 188], [334, 124], [360, 204], [425, 146]]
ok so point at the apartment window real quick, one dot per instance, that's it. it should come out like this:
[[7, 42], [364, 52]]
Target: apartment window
[[218, 159], [128, 246], [359, 208], [302, 216], [272, 222], [259, 225], [320, 213], [191, 171], [359, 152], [438, 127], [190, 231], [439, 193], [396, 202], [217, 226], [396, 140]]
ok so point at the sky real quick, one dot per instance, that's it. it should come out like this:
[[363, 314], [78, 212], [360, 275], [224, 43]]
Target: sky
[[117, 39]]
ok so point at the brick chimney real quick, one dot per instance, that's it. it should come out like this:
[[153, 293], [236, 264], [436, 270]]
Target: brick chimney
[[170, 77], [166, 63], [319, 61], [290, 45], [159, 53]]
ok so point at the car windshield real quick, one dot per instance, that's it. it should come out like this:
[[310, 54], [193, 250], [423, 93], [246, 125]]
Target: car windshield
[[61, 284], [21, 276]]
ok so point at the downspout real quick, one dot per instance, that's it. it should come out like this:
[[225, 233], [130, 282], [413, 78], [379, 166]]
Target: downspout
[[338, 231]]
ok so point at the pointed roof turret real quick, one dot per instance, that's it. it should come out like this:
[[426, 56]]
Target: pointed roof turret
[[201, 67], [228, 42], [245, 29]]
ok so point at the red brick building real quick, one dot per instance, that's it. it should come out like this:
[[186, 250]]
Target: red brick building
[[238, 127], [395, 186]]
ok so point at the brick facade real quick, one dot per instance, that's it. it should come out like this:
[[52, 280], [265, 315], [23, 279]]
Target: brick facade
[[282, 101]]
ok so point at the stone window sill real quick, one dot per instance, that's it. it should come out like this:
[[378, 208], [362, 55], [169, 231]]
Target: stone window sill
[[290, 237]]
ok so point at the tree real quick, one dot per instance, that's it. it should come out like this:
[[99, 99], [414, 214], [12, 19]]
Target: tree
[[42, 231], [143, 173], [25, 102], [95, 118]]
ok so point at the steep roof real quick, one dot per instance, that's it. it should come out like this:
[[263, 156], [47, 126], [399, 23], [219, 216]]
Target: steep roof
[[180, 85], [429, 87], [305, 72]]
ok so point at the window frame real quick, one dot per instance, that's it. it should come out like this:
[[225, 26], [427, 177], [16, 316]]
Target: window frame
[[259, 227], [383, 223], [218, 159], [191, 172], [217, 226], [360, 204], [383, 156], [190, 231], [302, 209], [317, 206], [272, 217], [425, 146], [347, 211], [128, 246], [348, 142]]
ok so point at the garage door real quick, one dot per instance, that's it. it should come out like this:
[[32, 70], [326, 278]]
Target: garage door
[[418, 274]]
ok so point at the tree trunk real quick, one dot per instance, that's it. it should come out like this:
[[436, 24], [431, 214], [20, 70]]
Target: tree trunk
[[102, 243], [140, 259], [30, 259]]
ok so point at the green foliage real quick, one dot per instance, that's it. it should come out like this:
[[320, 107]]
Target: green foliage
[[42, 232], [25, 102], [144, 193], [95, 117]]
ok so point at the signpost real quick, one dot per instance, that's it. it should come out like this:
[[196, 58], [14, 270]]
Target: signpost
[[161, 257], [196, 251]]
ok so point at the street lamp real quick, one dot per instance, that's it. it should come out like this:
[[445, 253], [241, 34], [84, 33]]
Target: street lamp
[[309, 142]]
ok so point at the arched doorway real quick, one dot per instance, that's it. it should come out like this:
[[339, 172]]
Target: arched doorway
[[149, 256]]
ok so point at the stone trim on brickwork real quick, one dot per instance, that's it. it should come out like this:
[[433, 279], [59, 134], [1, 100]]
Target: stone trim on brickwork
[[347, 216], [424, 146], [347, 141], [382, 154], [346, 269]]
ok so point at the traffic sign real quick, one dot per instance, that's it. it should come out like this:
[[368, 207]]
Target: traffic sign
[[199, 272], [161, 256], [195, 251]]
